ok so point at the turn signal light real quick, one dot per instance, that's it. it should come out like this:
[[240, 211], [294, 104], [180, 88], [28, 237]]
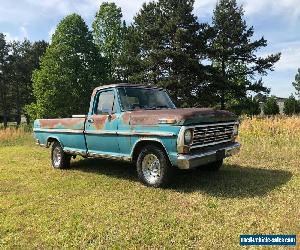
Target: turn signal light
[[166, 121]]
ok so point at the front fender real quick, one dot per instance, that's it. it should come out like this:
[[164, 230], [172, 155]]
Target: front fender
[[172, 156]]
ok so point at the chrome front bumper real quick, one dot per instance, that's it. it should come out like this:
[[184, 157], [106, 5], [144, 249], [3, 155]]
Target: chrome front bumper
[[188, 161]]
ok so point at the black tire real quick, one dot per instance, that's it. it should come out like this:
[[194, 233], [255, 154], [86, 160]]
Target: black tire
[[166, 169], [214, 166], [61, 162]]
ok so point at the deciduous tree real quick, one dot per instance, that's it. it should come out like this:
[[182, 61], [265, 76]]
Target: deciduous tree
[[270, 106], [108, 33], [291, 106], [70, 69]]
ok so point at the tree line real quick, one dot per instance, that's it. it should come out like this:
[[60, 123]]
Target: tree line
[[17, 62], [200, 64], [291, 104]]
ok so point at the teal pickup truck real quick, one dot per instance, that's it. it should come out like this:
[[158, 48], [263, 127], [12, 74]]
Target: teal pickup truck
[[140, 124]]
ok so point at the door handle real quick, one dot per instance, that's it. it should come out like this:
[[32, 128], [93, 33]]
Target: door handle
[[90, 120]]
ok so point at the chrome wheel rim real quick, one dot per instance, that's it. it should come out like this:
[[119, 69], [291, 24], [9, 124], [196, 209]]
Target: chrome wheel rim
[[151, 168], [56, 157]]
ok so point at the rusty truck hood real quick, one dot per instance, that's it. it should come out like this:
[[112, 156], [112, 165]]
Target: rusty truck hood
[[184, 116]]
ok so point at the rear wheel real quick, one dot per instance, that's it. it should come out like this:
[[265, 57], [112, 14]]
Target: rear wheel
[[153, 167], [60, 159]]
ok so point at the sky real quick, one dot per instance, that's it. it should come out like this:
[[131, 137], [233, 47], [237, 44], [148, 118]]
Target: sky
[[277, 20]]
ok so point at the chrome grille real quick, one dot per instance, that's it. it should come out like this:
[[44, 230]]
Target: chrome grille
[[212, 134]]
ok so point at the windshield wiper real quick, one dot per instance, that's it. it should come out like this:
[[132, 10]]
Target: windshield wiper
[[150, 108], [163, 107]]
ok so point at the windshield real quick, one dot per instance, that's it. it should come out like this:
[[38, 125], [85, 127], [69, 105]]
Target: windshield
[[143, 98]]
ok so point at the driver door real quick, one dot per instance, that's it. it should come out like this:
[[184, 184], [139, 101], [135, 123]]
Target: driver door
[[102, 124]]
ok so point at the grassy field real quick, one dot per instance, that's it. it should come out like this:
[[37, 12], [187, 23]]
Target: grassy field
[[100, 204]]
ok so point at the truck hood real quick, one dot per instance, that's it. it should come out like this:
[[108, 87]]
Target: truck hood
[[185, 116]]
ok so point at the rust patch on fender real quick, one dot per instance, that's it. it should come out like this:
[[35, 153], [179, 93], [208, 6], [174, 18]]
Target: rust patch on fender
[[126, 117]]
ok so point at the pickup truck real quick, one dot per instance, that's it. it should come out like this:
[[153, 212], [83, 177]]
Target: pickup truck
[[141, 124]]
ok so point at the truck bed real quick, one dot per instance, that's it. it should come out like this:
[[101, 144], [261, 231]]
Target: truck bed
[[68, 131]]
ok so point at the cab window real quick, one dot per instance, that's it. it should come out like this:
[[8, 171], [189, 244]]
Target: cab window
[[105, 102]]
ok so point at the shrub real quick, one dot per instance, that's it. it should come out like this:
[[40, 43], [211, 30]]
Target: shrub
[[291, 106], [270, 106], [245, 106]]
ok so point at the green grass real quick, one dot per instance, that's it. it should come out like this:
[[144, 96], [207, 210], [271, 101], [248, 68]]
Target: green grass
[[100, 204]]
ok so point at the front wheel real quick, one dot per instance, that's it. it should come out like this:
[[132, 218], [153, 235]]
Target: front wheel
[[60, 159], [153, 167]]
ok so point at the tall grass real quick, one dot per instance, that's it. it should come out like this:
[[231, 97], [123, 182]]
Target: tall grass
[[278, 134], [13, 132], [279, 129]]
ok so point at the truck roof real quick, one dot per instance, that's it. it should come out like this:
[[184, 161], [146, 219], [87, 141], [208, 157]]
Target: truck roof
[[128, 85]]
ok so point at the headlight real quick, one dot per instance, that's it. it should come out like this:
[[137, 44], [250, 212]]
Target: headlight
[[235, 130], [188, 136]]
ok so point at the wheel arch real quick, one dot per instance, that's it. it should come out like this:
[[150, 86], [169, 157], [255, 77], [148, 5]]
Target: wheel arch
[[51, 140], [147, 141]]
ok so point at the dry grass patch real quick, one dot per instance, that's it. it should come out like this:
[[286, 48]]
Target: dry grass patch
[[11, 133]]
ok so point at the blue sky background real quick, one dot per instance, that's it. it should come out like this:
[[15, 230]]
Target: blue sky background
[[277, 20]]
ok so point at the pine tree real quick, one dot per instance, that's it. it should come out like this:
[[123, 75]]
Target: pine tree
[[70, 69], [16, 74], [5, 90], [170, 48], [233, 53], [23, 59]]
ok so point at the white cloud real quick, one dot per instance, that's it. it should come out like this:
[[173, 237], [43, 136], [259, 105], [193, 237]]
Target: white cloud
[[204, 7], [30, 11], [290, 57], [130, 8], [289, 7], [33, 10], [10, 38], [51, 32], [24, 33]]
